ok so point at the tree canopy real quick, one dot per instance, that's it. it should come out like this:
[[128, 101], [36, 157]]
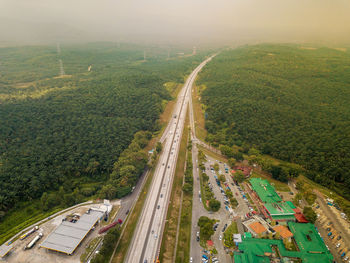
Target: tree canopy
[[285, 101]]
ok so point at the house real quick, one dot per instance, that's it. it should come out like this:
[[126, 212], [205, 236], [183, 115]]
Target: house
[[284, 232], [256, 228]]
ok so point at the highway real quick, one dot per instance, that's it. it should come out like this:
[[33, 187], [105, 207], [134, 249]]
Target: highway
[[146, 241]]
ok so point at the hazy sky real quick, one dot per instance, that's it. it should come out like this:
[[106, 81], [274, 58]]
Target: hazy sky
[[175, 20]]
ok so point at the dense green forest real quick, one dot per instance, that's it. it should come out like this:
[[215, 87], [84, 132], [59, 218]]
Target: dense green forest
[[288, 101], [61, 136]]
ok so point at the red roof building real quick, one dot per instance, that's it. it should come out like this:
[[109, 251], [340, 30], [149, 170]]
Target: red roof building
[[299, 216]]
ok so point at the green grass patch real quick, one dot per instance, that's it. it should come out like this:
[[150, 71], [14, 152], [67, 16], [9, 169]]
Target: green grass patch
[[184, 241], [204, 193], [212, 154], [198, 112], [26, 214], [88, 250], [228, 234]]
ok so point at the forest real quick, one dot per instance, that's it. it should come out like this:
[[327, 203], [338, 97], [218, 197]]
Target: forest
[[287, 101], [63, 136]]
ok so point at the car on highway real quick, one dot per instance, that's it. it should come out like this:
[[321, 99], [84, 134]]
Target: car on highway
[[191, 259]]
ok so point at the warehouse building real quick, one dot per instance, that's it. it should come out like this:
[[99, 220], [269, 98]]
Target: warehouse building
[[68, 235]]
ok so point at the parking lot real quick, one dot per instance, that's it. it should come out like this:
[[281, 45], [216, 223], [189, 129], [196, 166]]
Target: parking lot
[[225, 215], [332, 230]]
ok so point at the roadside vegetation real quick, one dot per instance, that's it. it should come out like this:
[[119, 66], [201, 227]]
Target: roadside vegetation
[[262, 97], [206, 193], [206, 229], [109, 242], [184, 238], [228, 235]]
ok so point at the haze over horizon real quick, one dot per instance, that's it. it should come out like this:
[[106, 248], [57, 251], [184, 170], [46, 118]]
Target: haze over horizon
[[194, 21]]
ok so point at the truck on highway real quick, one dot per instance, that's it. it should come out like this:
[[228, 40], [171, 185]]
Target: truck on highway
[[33, 242], [106, 228], [27, 234]]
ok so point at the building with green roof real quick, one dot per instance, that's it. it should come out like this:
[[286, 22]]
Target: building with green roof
[[265, 190], [311, 248], [307, 237], [280, 211]]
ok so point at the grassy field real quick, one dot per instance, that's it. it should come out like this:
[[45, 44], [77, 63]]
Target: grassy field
[[170, 230], [184, 241], [228, 234], [212, 154], [91, 246], [22, 218], [198, 112]]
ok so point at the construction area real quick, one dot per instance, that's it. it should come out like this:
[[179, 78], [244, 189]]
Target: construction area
[[63, 238]]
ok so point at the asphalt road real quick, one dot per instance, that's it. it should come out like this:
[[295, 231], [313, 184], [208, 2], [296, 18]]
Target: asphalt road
[[146, 240]]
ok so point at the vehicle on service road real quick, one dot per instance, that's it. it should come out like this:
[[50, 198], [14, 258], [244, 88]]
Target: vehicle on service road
[[29, 233], [33, 242]]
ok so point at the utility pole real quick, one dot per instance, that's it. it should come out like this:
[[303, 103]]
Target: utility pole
[[58, 47]]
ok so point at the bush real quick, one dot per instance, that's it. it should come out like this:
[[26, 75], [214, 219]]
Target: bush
[[214, 205]]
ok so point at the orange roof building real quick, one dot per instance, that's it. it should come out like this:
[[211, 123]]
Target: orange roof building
[[283, 231], [257, 227]]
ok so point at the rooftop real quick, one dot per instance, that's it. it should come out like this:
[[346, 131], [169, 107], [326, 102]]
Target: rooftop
[[279, 209], [283, 231], [257, 250], [299, 216], [67, 236], [265, 190], [307, 238], [4, 250], [257, 227]]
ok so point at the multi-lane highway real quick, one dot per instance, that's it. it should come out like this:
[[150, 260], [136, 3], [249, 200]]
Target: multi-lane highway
[[147, 237]]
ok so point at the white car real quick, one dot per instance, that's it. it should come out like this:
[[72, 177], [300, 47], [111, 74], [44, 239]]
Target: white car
[[338, 245], [191, 259], [220, 237]]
